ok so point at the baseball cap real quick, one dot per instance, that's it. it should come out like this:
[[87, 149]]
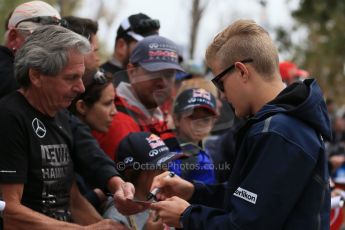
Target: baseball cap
[[191, 99], [155, 53], [30, 15], [138, 26], [144, 148], [289, 71]]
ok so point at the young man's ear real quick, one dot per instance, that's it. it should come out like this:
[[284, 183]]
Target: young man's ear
[[80, 107], [243, 70]]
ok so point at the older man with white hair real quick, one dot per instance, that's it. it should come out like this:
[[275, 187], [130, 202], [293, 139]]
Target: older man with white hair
[[94, 166], [36, 166]]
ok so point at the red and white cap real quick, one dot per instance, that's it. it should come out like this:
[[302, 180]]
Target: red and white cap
[[29, 10]]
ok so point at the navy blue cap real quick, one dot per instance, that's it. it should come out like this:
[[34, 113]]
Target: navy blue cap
[[191, 99], [144, 148], [155, 53]]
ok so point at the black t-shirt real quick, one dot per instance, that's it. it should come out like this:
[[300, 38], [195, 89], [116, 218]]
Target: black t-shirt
[[35, 151], [8, 83]]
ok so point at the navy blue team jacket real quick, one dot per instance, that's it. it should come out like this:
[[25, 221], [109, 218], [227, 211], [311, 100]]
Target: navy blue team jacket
[[279, 178]]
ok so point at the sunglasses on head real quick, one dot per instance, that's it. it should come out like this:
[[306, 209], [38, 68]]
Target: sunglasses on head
[[217, 79], [99, 78], [45, 20]]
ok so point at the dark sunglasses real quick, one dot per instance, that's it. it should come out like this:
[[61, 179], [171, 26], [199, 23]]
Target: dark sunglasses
[[45, 20], [217, 79]]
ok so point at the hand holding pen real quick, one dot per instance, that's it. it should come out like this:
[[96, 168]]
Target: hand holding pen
[[168, 184], [152, 195]]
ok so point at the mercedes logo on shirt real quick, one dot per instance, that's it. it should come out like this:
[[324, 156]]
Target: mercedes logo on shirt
[[39, 128]]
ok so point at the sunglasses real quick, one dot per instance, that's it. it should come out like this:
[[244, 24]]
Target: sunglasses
[[217, 79], [97, 79], [45, 20]]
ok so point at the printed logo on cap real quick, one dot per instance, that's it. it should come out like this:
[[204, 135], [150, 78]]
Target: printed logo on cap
[[154, 141], [163, 159], [200, 96], [153, 45], [162, 52], [153, 152], [128, 160], [201, 93]]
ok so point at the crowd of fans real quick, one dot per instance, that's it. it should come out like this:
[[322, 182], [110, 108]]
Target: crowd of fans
[[79, 136]]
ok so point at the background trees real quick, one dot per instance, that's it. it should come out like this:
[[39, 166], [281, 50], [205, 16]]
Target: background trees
[[322, 51]]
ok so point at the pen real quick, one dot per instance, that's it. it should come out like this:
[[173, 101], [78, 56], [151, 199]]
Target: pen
[[153, 193]]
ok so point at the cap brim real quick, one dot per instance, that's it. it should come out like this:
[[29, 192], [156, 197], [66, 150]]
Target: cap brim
[[31, 26], [136, 36], [195, 106], [157, 66], [170, 157]]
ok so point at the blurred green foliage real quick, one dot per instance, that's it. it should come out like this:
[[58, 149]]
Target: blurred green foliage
[[322, 51]]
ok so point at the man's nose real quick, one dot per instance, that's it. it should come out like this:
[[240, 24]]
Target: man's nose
[[79, 86]]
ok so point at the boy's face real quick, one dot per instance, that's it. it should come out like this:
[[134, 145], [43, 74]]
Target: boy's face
[[196, 126]]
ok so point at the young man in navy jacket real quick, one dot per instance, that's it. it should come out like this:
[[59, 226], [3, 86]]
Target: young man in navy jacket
[[279, 178]]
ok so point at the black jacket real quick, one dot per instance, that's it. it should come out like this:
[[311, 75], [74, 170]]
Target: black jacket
[[7, 81]]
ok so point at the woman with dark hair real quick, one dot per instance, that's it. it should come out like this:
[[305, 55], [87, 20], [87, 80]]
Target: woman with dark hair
[[95, 107]]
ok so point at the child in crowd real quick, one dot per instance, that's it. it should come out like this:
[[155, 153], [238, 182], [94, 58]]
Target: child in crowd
[[141, 156], [195, 112]]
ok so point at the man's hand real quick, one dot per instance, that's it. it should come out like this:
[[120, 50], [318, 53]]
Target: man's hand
[[153, 223], [123, 193], [170, 210], [172, 186], [123, 203], [106, 224]]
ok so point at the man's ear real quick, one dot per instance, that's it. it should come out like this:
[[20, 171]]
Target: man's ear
[[131, 72], [12, 38], [243, 70], [80, 107], [35, 77], [121, 47]]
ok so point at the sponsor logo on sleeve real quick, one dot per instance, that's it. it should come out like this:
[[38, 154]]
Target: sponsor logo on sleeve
[[246, 195]]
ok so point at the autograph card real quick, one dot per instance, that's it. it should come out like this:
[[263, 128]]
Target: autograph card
[[145, 203]]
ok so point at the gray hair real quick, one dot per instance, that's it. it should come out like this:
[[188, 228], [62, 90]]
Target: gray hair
[[47, 51]]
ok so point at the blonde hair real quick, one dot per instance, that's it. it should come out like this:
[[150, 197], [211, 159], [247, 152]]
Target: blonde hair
[[241, 40]]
